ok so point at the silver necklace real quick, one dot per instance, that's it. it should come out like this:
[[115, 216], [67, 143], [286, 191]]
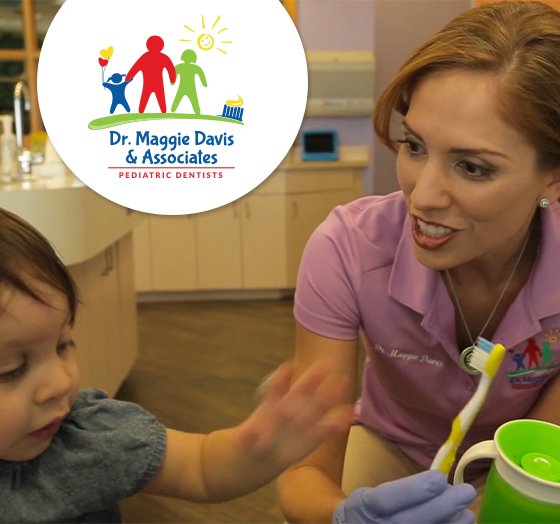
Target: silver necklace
[[466, 354]]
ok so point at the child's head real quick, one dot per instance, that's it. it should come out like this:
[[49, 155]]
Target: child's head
[[116, 78], [38, 372], [27, 256], [188, 56]]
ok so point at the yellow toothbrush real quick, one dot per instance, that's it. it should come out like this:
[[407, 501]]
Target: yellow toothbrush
[[486, 358]]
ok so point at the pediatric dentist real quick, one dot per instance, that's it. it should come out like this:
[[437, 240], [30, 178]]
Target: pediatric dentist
[[468, 247]]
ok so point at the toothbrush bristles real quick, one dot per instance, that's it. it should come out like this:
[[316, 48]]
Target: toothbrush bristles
[[478, 359], [484, 344]]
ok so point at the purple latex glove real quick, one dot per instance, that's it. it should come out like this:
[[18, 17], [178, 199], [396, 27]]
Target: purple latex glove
[[424, 498]]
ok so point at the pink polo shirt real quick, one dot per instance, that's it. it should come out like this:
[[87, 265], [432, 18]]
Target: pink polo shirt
[[359, 277]]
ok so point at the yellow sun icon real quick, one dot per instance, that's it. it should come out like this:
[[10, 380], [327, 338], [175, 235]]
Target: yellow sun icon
[[553, 335], [207, 37]]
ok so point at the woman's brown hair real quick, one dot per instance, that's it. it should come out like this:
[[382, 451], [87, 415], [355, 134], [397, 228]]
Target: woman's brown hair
[[25, 253], [519, 42]]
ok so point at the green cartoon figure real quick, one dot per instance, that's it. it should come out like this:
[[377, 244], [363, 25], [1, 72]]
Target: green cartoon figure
[[187, 72]]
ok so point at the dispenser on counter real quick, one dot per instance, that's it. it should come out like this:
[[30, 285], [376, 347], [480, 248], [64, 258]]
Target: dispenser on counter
[[8, 148]]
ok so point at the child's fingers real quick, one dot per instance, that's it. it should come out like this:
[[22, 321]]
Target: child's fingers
[[277, 383], [312, 378]]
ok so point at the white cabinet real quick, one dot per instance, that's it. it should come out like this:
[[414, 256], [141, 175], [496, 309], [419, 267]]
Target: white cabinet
[[254, 243], [105, 331], [218, 248], [264, 242]]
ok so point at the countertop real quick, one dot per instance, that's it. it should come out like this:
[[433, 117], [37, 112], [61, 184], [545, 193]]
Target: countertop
[[77, 221]]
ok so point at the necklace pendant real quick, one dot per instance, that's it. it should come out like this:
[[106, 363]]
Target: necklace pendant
[[465, 360]]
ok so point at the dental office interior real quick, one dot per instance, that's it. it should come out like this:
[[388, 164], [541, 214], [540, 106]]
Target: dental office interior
[[186, 315]]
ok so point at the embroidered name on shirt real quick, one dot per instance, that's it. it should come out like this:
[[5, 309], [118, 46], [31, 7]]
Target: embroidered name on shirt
[[408, 357]]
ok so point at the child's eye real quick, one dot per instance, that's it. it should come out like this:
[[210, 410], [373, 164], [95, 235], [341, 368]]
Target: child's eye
[[65, 346], [14, 374]]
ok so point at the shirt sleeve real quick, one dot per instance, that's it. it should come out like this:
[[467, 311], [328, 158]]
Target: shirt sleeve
[[326, 300], [105, 451]]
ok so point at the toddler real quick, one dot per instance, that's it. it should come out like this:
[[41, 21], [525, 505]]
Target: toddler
[[69, 456]]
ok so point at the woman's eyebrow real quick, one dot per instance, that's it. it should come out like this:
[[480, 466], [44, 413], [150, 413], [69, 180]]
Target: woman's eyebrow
[[409, 129], [460, 150]]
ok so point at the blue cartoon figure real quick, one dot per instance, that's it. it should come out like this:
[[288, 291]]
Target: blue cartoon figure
[[518, 359], [117, 85]]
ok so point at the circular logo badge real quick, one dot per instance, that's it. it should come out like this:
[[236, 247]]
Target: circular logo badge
[[172, 107]]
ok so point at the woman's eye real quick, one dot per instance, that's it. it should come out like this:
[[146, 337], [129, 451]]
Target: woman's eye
[[14, 374], [473, 170], [412, 147]]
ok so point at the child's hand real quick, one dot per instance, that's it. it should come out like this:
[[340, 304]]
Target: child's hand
[[291, 422]]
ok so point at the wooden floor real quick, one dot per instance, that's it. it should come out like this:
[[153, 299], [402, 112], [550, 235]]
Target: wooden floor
[[199, 366]]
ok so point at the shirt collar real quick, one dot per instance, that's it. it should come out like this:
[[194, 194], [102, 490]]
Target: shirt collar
[[544, 293], [411, 283]]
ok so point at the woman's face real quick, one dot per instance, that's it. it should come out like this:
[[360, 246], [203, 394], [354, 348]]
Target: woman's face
[[470, 179]]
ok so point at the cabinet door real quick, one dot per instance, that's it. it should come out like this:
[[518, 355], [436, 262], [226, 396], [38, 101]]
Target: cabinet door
[[99, 298], [218, 236], [105, 330], [128, 322], [264, 242], [173, 253], [81, 330], [142, 242], [305, 213]]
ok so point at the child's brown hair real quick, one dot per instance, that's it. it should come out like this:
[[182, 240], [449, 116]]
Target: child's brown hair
[[24, 253]]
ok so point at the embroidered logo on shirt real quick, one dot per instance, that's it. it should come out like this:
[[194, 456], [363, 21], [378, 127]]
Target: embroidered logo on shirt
[[535, 364]]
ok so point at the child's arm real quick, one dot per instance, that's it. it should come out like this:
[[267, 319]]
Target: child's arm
[[287, 425]]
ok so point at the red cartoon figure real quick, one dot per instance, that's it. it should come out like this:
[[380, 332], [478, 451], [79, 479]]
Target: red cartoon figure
[[533, 353], [152, 64]]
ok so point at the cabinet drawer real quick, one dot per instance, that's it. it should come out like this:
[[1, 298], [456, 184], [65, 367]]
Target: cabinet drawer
[[293, 181]]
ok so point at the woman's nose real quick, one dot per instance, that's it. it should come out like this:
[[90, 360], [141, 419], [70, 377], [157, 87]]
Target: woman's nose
[[57, 380], [430, 189]]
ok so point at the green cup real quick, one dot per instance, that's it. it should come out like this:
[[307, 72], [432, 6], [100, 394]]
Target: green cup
[[523, 486]]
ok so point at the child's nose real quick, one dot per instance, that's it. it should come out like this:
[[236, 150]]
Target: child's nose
[[56, 383]]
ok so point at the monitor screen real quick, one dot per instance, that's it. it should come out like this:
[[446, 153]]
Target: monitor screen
[[319, 142]]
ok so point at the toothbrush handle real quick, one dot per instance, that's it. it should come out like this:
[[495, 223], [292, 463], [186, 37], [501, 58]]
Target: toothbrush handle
[[445, 457]]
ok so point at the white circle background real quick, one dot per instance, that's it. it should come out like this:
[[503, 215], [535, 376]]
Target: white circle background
[[265, 65]]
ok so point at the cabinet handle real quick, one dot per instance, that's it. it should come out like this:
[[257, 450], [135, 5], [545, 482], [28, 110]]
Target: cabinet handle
[[247, 211], [295, 209], [109, 262]]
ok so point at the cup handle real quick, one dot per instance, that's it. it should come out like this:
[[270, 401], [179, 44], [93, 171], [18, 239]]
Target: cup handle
[[481, 450]]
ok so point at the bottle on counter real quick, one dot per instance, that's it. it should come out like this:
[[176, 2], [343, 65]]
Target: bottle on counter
[[8, 148]]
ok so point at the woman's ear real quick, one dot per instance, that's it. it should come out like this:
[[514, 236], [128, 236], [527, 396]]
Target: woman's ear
[[553, 187]]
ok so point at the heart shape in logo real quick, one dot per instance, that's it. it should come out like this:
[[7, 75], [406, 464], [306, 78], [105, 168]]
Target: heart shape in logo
[[107, 53], [103, 62]]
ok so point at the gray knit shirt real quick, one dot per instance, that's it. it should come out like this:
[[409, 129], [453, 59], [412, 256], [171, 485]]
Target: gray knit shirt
[[105, 451]]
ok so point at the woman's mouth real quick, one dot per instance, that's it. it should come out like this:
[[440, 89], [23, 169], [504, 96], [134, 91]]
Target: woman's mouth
[[429, 235]]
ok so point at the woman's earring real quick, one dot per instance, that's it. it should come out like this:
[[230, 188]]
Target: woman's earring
[[544, 202]]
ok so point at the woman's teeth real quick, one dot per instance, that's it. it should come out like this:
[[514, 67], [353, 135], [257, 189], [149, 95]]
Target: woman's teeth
[[433, 231]]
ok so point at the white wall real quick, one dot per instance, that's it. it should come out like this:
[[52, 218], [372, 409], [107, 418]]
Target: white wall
[[340, 25], [392, 29]]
